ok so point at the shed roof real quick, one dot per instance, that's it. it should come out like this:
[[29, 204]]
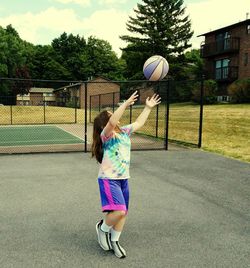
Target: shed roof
[[41, 90]]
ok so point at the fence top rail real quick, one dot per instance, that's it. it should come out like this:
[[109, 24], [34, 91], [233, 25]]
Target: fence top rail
[[83, 81], [78, 81]]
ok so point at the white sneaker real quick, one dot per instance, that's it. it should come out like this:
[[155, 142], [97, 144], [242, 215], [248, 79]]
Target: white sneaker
[[103, 237], [118, 250]]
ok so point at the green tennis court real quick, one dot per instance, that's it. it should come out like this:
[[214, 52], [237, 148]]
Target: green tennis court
[[36, 135]]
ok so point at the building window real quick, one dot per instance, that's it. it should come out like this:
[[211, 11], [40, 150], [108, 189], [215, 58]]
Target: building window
[[223, 41], [221, 69], [248, 29], [48, 94], [245, 60]]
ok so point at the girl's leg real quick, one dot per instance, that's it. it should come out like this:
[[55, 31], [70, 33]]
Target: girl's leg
[[112, 218], [115, 233], [119, 224], [114, 223]]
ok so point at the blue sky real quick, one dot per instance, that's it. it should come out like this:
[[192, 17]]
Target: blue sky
[[39, 22]]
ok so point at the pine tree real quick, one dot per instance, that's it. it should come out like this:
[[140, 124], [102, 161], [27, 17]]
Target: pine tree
[[159, 27]]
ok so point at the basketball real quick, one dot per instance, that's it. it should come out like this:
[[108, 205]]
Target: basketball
[[155, 68]]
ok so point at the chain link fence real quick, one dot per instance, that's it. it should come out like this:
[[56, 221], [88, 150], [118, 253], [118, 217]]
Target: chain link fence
[[57, 116]]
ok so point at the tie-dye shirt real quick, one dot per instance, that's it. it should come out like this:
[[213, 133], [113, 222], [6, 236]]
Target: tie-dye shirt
[[116, 154]]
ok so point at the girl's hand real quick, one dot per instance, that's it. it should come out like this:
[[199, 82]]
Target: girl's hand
[[132, 99], [155, 100]]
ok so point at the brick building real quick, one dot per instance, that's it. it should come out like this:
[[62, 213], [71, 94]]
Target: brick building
[[226, 53], [110, 92], [100, 91], [36, 97]]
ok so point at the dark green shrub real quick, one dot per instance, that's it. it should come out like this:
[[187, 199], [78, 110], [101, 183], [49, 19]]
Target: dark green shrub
[[210, 90], [239, 91]]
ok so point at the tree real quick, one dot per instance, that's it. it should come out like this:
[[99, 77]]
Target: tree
[[194, 64], [12, 51], [160, 27], [45, 66], [12, 55], [100, 59], [21, 86], [69, 49]]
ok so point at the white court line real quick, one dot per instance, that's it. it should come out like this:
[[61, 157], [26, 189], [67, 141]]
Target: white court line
[[72, 134]]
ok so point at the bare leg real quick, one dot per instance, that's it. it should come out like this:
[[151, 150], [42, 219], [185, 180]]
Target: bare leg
[[113, 217], [116, 231], [120, 224]]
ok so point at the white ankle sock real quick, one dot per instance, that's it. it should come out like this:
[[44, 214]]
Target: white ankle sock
[[115, 235], [105, 227]]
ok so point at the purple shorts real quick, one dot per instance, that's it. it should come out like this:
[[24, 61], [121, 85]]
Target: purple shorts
[[114, 194]]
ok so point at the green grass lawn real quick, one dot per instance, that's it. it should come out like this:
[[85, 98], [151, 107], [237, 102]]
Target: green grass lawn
[[35, 115], [226, 127]]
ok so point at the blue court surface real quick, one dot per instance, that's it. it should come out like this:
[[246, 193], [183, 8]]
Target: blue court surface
[[188, 208]]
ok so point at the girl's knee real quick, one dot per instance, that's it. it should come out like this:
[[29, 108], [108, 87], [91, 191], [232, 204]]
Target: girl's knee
[[120, 213], [123, 213]]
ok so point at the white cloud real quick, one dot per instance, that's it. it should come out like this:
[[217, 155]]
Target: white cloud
[[104, 24], [112, 2], [210, 15], [79, 2], [29, 25], [108, 25]]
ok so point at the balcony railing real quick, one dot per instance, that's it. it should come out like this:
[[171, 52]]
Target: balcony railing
[[229, 73], [227, 45]]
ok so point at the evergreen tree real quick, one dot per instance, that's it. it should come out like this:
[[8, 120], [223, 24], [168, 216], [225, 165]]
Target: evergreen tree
[[159, 27]]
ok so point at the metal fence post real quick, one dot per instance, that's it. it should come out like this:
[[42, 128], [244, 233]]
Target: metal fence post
[[44, 115], [99, 102], [113, 101], [201, 112], [157, 113], [90, 109], [85, 124], [167, 115], [130, 114], [11, 115], [75, 109]]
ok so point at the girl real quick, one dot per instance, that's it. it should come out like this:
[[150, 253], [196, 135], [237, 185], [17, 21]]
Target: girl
[[111, 147]]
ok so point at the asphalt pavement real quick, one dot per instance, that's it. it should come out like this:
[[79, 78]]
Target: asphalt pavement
[[188, 208]]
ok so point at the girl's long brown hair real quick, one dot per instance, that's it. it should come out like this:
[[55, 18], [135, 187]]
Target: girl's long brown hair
[[99, 123]]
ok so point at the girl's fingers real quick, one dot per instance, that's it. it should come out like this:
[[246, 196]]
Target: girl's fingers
[[155, 96]]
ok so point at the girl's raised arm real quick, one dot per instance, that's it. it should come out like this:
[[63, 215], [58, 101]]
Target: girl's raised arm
[[142, 118], [113, 120]]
